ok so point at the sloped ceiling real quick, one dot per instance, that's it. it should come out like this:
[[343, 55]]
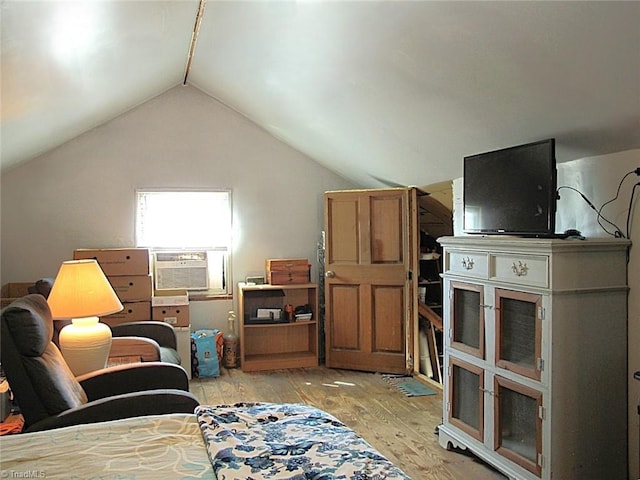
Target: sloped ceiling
[[380, 92]]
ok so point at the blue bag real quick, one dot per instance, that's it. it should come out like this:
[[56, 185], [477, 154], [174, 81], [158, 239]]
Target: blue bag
[[206, 357]]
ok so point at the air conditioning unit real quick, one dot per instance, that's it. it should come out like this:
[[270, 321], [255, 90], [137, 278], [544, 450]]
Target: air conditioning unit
[[189, 270]]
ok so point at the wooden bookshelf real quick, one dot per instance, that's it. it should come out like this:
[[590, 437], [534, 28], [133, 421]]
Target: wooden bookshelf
[[280, 343]]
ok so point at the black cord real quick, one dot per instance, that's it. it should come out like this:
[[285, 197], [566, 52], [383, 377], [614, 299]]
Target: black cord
[[633, 192], [617, 194], [618, 233]]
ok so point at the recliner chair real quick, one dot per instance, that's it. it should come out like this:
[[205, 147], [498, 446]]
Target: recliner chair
[[48, 394]]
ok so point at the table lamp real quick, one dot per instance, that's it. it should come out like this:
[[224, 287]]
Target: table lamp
[[81, 293]]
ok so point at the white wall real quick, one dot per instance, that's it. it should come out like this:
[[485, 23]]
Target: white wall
[[82, 193], [598, 178]]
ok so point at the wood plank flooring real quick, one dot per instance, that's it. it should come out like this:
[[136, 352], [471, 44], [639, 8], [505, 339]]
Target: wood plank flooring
[[401, 428]]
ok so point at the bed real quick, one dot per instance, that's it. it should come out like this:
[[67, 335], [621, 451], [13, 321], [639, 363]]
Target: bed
[[240, 441]]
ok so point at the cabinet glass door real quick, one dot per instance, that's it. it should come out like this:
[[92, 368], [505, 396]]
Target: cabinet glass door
[[466, 397], [467, 318], [518, 332], [518, 423]]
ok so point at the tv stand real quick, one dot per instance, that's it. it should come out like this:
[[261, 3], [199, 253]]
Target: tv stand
[[535, 335]]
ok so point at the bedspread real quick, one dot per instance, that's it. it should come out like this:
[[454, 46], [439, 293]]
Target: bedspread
[[141, 448], [287, 441]]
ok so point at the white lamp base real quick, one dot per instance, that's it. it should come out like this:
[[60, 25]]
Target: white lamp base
[[85, 345]]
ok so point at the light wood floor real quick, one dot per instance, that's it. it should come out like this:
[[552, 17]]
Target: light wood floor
[[400, 427]]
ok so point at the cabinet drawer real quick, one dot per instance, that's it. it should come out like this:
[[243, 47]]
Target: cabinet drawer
[[532, 270], [467, 263]]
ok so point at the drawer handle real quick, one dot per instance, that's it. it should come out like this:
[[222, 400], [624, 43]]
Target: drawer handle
[[520, 269], [467, 263]]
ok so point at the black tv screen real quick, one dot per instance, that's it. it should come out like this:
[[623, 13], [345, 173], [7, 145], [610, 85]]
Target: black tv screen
[[511, 191]]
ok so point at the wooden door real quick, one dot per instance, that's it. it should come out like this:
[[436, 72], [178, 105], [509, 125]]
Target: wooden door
[[370, 299]]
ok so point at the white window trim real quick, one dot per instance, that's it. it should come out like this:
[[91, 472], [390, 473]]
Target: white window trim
[[220, 279]]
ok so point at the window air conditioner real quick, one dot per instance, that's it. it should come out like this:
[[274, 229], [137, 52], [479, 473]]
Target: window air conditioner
[[189, 270]]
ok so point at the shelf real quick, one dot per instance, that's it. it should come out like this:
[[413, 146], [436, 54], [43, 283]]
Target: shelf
[[267, 286], [279, 361], [304, 323], [268, 346], [427, 312], [430, 308]]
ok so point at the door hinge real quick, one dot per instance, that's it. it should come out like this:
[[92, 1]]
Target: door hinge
[[541, 412], [540, 460], [409, 275], [540, 364], [541, 313]]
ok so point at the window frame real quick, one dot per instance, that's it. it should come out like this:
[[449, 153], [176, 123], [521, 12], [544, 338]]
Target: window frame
[[215, 253]]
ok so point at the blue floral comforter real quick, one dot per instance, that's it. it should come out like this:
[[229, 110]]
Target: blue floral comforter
[[252, 441]]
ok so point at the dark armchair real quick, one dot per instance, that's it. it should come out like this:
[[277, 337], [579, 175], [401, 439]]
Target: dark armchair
[[48, 394], [159, 332]]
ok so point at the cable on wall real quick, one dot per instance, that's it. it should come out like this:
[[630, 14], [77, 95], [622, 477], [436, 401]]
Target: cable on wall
[[194, 39], [618, 231]]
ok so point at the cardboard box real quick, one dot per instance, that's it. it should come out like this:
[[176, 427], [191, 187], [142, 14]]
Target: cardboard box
[[288, 271], [132, 288], [117, 261], [12, 291], [174, 297], [132, 312], [176, 315]]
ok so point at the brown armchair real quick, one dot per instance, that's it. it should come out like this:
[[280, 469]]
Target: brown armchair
[[48, 394]]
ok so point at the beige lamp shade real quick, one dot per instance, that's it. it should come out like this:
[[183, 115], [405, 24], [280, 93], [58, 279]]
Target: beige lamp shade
[[82, 293], [81, 289]]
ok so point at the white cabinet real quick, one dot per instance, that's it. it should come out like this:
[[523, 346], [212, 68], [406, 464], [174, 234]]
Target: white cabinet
[[535, 335]]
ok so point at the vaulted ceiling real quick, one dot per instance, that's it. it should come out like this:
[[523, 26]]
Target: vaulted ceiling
[[380, 92]]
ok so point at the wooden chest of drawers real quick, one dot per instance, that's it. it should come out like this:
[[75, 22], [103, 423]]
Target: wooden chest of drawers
[[287, 271]]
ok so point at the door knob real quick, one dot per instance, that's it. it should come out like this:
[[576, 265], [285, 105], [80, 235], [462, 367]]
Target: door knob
[[330, 274]]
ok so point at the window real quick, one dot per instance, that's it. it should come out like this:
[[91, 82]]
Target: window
[[188, 223]]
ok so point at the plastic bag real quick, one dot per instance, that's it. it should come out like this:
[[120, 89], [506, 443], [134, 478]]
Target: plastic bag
[[205, 358]]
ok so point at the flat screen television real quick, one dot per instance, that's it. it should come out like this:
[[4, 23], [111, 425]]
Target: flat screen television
[[511, 191]]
